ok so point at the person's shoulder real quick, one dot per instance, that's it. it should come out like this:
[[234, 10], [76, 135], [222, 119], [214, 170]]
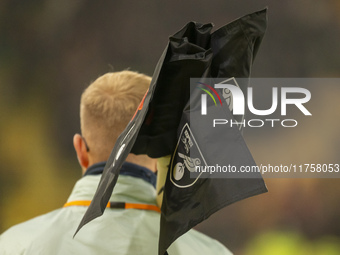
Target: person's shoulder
[[199, 243], [17, 238]]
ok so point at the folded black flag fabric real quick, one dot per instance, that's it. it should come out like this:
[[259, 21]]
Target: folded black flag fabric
[[169, 121]]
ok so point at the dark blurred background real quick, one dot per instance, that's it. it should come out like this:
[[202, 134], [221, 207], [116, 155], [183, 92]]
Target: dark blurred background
[[51, 50]]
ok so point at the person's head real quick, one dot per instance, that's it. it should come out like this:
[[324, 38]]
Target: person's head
[[106, 107]]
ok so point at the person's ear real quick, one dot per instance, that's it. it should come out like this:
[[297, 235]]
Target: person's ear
[[81, 150]]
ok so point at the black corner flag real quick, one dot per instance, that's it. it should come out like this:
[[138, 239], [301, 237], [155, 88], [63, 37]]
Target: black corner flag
[[169, 121]]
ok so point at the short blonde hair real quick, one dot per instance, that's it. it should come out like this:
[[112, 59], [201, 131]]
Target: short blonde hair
[[107, 106]]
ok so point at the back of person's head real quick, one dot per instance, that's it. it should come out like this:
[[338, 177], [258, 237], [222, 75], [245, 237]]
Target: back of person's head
[[107, 106]]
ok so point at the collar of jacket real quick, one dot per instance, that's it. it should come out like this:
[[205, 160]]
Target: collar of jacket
[[128, 189], [128, 169]]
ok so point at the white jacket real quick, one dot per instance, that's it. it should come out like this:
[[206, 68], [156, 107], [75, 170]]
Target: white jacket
[[118, 231]]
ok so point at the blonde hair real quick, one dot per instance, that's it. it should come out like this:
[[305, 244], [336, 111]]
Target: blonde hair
[[107, 106]]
